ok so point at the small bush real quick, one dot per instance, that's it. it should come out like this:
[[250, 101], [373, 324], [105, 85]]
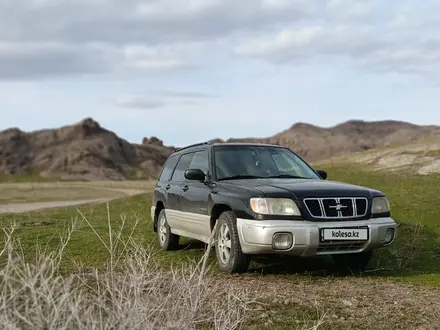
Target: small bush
[[132, 292]]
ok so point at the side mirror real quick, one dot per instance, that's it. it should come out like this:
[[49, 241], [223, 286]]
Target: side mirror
[[322, 174], [195, 174]]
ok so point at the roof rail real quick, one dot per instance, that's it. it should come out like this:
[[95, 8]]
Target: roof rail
[[193, 145]]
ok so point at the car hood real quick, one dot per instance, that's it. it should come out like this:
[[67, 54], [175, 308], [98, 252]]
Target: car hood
[[303, 188]]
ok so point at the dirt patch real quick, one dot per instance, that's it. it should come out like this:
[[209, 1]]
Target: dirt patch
[[433, 167], [351, 303], [70, 192], [27, 207]]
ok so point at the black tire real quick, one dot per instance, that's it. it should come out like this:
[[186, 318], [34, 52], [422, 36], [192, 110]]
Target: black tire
[[167, 240], [354, 262], [238, 262]]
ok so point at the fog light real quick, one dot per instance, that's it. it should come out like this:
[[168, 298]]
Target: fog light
[[282, 241], [389, 235]]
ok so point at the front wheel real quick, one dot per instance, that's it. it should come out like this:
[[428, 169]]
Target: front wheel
[[230, 257], [355, 262]]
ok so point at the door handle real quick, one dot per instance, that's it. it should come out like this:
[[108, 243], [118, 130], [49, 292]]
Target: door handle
[[167, 186], [185, 188]]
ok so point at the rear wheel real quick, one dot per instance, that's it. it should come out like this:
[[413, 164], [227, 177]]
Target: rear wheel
[[354, 262], [167, 240], [230, 257]]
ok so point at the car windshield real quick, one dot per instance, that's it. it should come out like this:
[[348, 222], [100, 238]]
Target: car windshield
[[248, 162]]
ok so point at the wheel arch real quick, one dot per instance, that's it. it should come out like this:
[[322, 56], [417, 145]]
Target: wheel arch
[[216, 211], [159, 207]]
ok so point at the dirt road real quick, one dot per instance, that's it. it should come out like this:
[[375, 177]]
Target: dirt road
[[101, 192], [27, 207]]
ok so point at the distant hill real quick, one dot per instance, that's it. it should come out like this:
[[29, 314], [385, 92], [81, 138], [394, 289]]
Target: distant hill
[[317, 143], [88, 151], [421, 157], [84, 150]]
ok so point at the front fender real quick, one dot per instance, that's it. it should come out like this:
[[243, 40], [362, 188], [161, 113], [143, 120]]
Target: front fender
[[238, 204]]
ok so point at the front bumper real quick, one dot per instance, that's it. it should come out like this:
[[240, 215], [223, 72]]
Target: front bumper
[[256, 236]]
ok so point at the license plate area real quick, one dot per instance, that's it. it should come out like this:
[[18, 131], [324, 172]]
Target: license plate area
[[344, 234]]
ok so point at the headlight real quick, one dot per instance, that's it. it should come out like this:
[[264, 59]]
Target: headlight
[[380, 205], [274, 206]]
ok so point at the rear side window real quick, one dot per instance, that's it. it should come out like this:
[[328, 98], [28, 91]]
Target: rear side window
[[182, 166], [168, 168]]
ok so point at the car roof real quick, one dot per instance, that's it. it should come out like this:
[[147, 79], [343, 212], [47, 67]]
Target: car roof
[[200, 145], [255, 144]]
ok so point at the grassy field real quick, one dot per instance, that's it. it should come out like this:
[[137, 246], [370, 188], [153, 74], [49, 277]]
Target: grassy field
[[295, 293], [415, 256]]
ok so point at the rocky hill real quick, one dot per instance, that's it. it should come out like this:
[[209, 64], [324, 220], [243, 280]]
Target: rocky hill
[[84, 150], [318, 143], [88, 151]]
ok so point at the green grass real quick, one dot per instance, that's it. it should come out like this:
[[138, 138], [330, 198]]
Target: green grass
[[414, 257], [414, 203], [85, 247]]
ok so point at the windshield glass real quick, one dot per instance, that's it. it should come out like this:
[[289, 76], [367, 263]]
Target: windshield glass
[[242, 162]]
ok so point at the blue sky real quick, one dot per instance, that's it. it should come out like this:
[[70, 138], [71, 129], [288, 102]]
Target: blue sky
[[187, 71]]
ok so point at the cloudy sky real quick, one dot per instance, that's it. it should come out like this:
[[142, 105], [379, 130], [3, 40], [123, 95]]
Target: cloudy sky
[[192, 70]]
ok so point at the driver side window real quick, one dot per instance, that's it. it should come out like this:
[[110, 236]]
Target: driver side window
[[200, 161], [182, 165]]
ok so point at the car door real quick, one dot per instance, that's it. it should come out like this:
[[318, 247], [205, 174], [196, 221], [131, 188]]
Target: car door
[[194, 199], [164, 183], [175, 216]]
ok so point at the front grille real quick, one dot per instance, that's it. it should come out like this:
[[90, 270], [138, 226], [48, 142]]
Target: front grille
[[336, 208], [328, 247]]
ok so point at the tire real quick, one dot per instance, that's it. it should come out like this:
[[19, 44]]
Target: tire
[[354, 262], [167, 240], [230, 260]]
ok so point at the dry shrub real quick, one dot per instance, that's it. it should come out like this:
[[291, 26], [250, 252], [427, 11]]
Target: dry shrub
[[406, 251], [133, 292]]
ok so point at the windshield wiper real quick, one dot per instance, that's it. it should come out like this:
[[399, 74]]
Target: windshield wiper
[[236, 177], [286, 176]]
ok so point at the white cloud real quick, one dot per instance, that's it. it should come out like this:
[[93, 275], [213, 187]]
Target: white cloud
[[40, 38], [191, 95], [371, 35], [139, 102], [353, 10], [21, 60], [152, 58], [284, 41], [90, 37], [160, 98], [135, 21]]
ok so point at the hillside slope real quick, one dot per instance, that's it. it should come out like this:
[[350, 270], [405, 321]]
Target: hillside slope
[[318, 143], [84, 150], [421, 157]]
